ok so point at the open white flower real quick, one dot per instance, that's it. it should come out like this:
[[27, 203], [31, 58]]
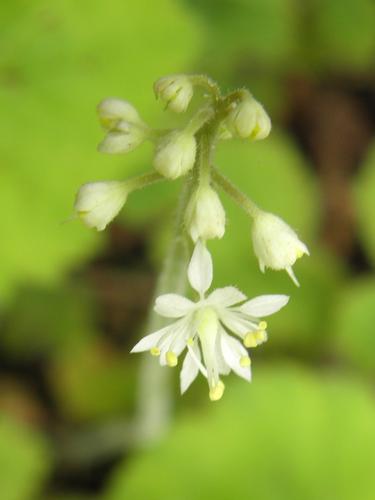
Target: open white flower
[[202, 327], [275, 244]]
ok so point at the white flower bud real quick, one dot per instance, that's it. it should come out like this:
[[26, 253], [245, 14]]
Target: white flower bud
[[175, 90], [98, 203], [125, 138], [205, 215], [249, 120], [276, 245], [175, 154], [113, 110]]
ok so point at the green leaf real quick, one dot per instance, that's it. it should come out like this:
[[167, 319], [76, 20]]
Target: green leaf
[[24, 461], [289, 435]]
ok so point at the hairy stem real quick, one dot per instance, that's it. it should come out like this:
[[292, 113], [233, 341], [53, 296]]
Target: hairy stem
[[236, 194]]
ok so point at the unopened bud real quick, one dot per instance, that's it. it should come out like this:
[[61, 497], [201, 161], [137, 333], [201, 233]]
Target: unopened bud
[[275, 244], [176, 91], [113, 110], [125, 138], [175, 154], [249, 120], [98, 203], [205, 215]]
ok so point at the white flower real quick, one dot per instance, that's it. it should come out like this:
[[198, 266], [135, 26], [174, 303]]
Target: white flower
[[249, 120], [275, 244], [202, 327], [97, 203], [113, 110], [175, 154], [205, 215], [175, 90]]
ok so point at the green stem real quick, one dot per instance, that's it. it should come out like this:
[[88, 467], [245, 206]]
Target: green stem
[[143, 180], [236, 194], [154, 391]]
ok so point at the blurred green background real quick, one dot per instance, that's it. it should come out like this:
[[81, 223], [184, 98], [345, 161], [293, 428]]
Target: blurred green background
[[73, 302]]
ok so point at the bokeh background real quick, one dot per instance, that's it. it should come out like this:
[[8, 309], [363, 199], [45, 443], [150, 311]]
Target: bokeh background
[[73, 302]]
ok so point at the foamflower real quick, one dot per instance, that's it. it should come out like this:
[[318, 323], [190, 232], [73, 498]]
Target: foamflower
[[275, 244], [203, 328], [205, 215], [175, 154], [175, 90], [249, 120], [98, 203]]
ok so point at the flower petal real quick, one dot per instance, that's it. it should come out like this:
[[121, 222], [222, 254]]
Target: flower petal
[[264, 305], [225, 297], [236, 323], [200, 269], [152, 339], [189, 370], [232, 353], [172, 305]]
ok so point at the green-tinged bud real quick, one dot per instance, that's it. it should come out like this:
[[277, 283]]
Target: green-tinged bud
[[125, 138], [113, 110], [275, 244], [175, 90], [249, 120], [205, 215], [175, 154], [98, 203]]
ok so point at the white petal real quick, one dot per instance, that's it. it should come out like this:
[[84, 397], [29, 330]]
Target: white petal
[[152, 339], [264, 305], [224, 368], [196, 356], [225, 297], [172, 305], [290, 271], [189, 370], [200, 269], [232, 352], [236, 323]]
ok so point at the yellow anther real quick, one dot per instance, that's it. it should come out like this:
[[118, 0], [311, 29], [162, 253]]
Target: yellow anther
[[262, 325], [299, 253], [260, 336], [155, 351], [217, 392], [249, 340], [171, 359], [190, 341], [245, 361]]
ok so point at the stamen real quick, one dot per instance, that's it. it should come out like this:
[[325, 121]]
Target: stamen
[[299, 253], [245, 361], [260, 336], [249, 340], [262, 325], [217, 392], [154, 351], [171, 358]]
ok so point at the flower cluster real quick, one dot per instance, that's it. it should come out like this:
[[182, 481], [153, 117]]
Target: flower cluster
[[201, 327]]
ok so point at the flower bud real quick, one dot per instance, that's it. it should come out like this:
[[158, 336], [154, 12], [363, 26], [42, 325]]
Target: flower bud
[[176, 91], [205, 215], [175, 154], [113, 110], [249, 120], [97, 203], [125, 138], [275, 244]]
